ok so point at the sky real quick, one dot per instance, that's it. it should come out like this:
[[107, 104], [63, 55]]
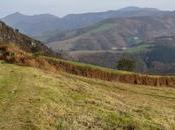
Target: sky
[[64, 7]]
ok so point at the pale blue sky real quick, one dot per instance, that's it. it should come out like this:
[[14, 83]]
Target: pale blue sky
[[63, 7]]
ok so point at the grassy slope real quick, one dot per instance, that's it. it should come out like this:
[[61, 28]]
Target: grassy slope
[[139, 48], [31, 99]]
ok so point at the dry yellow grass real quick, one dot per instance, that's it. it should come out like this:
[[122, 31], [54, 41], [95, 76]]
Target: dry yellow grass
[[15, 55], [31, 99]]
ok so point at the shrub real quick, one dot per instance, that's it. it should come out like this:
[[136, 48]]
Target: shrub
[[126, 64]]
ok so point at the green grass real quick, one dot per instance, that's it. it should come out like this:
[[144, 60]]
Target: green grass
[[31, 99], [103, 27], [139, 48], [86, 66]]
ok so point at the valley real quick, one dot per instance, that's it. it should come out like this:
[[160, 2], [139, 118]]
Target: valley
[[133, 33], [111, 70]]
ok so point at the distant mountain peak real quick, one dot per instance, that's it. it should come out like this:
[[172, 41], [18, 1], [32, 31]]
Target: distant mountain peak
[[134, 8], [37, 25], [16, 14], [130, 8], [45, 15]]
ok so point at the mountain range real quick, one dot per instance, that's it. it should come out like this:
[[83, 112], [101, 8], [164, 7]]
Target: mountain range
[[39, 91], [115, 33], [103, 38], [38, 24]]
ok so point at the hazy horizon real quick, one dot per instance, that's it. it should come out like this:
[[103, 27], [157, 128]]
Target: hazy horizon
[[64, 7]]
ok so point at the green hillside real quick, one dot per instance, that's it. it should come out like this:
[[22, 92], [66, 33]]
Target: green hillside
[[32, 99], [112, 33]]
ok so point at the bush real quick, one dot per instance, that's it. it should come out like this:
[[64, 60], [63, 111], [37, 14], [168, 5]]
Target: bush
[[126, 64]]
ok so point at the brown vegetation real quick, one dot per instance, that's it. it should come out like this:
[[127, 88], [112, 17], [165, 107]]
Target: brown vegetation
[[9, 35], [12, 54]]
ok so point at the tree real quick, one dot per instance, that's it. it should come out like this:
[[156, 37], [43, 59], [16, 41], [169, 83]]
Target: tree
[[126, 64]]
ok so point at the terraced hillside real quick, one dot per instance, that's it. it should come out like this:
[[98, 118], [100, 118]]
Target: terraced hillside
[[31, 99]]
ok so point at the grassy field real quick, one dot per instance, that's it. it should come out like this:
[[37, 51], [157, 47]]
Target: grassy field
[[31, 99], [139, 48]]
